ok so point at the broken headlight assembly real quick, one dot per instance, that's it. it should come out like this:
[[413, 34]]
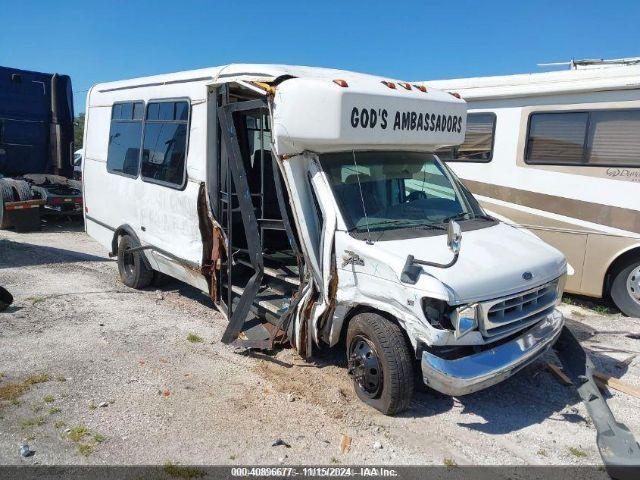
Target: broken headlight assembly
[[441, 315]]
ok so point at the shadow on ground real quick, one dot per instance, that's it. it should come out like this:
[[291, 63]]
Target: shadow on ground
[[18, 254]]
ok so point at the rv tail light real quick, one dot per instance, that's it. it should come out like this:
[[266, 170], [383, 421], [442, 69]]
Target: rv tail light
[[422, 88], [341, 83], [405, 85], [455, 94], [391, 85]]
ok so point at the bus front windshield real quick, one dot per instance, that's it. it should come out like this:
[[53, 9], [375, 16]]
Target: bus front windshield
[[392, 190]]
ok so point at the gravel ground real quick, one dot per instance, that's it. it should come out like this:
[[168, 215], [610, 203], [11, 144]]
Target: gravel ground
[[95, 373]]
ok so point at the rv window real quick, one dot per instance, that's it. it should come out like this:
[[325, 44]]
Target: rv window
[[614, 138], [596, 138], [124, 139], [478, 140], [557, 137], [165, 143]]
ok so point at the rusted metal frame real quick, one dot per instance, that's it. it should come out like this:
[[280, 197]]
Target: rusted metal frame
[[254, 241]]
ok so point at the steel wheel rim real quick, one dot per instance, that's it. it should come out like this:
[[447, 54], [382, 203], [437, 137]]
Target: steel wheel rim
[[128, 262], [633, 284], [365, 366]]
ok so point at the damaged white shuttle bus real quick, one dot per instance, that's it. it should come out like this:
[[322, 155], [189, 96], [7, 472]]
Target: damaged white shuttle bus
[[307, 203]]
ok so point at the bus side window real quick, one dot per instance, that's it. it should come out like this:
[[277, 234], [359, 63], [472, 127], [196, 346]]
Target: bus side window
[[125, 136], [166, 130]]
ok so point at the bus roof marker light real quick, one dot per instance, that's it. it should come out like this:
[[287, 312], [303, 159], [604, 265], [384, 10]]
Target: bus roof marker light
[[391, 85], [341, 83], [422, 88], [405, 85], [455, 94]]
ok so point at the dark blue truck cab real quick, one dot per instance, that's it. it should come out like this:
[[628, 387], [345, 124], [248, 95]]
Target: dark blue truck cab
[[36, 148]]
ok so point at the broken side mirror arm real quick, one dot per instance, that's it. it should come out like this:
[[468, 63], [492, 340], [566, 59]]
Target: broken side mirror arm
[[411, 271]]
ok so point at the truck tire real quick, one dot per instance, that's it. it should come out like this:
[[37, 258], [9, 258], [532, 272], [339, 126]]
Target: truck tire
[[1, 212], [380, 363], [133, 270], [625, 288]]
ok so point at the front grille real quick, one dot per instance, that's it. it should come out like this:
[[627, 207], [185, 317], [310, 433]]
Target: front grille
[[507, 314]]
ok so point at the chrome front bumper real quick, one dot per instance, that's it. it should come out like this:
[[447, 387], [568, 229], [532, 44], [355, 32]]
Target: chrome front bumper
[[481, 370]]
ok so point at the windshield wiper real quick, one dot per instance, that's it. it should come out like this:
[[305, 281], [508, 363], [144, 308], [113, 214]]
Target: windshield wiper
[[400, 223], [468, 216]]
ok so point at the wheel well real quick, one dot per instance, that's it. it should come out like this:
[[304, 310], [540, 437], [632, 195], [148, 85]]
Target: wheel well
[[616, 265], [127, 230], [366, 309]]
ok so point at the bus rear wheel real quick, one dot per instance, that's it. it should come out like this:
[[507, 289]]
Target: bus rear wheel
[[625, 289], [133, 271], [380, 363]]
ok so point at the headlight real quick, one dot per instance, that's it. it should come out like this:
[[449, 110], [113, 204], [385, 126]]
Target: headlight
[[461, 320], [560, 288], [465, 319]]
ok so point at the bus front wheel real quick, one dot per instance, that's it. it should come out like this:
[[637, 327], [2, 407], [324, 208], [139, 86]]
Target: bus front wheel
[[380, 363]]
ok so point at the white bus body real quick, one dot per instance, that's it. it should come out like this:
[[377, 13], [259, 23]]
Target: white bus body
[[559, 153], [310, 200]]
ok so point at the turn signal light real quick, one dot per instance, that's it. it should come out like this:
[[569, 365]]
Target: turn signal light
[[391, 85], [341, 83], [422, 88], [405, 85]]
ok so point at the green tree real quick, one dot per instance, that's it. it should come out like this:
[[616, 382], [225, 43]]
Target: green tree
[[78, 130]]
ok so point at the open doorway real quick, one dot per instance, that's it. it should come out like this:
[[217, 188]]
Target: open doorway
[[260, 281]]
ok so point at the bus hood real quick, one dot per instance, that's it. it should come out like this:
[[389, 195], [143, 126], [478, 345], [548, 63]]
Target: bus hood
[[493, 262]]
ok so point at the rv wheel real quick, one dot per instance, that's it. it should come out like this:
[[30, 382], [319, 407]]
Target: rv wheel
[[625, 289], [133, 271], [380, 363]]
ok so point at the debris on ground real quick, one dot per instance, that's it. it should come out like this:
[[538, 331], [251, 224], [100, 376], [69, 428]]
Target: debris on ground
[[615, 383], [103, 404], [377, 446], [291, 397], [559, 374], [279, 442], [25, 450], [345, 443]]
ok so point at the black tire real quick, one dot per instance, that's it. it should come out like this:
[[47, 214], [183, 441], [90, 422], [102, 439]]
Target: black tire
[[393, 390], [1, 211], [625, 288], [133, 270]]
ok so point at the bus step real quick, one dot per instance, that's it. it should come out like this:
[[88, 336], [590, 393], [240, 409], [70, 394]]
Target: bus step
[[277, 273], [254, 336]]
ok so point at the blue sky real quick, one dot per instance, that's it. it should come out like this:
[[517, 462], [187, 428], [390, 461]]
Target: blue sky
[[112, 40]]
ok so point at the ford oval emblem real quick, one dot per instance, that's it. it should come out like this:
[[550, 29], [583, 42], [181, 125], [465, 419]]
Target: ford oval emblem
[[527, 275]]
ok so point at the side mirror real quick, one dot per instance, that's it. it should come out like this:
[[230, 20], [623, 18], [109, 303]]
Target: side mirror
[[454, 236]]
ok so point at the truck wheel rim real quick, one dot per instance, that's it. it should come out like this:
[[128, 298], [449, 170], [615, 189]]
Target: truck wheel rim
[[128, 262], [364, 366], [633, 284]]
